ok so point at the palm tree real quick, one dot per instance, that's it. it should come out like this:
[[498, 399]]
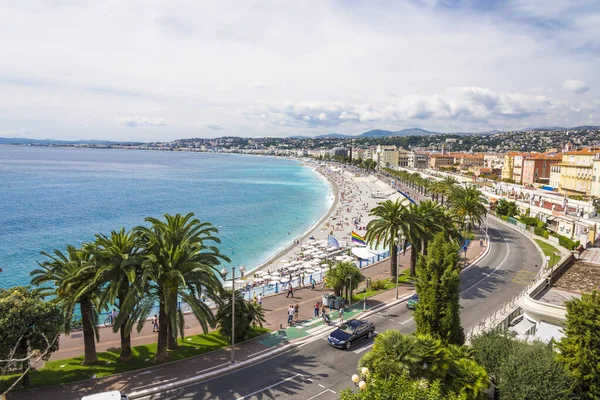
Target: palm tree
[[468, 204], [448, 183], [73, 276], [117, 258], [393, 353], [344, 276], [179, 260], [393, 219], [255, 314]]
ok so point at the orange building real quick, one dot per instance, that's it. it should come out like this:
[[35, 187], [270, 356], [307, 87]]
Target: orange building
[[536, 168]]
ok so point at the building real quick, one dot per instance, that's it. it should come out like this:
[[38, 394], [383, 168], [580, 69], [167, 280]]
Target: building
[[508, 165], [536, 168], [418, 160], [386, 156], [340, 151], [469, 160], [440, 160], [402, 158], [493, 161], [576, 171], [555, 176], [596, 178]]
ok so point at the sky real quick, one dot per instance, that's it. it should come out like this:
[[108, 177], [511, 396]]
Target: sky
[[161, 70]]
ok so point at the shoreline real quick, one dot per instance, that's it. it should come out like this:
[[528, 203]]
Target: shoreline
[[312, 229]]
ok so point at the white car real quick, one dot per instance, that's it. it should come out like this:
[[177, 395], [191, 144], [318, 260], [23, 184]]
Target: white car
[[114, 395]]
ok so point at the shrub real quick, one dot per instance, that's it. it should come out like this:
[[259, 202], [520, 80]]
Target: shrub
[[567, 243], [541, 232], [379, 284]]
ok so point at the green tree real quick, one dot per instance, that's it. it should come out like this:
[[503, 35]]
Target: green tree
[[247, 315], [580, 348], [448, 184], [179, 260], [344, 276], [74, 278], [400, 388], [119, 266], [468, 204], [28, 325], [506, 208], [531, 372], [438, 285], [393, 219], [425, 357], [491, 349]]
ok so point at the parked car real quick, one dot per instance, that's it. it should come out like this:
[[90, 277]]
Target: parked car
[[350, 332], [113, 395], [411, 304]]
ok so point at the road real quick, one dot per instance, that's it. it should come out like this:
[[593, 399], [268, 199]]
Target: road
[[317, 371]]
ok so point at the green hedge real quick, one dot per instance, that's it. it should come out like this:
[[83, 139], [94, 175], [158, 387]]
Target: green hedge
[[541, 232], [566, 242]]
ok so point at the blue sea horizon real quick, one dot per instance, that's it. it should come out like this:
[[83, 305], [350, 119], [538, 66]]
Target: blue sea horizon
[[51, 197]]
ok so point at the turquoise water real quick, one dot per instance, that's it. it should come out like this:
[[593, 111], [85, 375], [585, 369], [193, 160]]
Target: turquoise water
[[51, 197]]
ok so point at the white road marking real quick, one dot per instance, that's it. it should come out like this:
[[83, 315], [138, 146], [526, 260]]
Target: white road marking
[[269, 387], [321, 385], [495, 269], [365, 348], [324, 391], [407, 321], [258, 352]]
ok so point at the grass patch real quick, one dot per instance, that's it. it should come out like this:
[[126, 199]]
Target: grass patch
[[70, 369], [404, 277], [549, 250]]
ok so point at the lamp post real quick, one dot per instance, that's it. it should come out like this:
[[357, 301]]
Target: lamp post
[[359, 381], [402, 239], [350, 297], [224, 276]]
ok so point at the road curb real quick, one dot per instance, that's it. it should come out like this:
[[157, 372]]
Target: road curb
[[480, 256]]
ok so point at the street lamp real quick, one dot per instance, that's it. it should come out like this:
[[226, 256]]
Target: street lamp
[[402, 239], [224, 276], [350, 298], [359, 381]]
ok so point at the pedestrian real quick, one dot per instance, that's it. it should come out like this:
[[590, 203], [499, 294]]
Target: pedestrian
[[296, 311], [290, 291], [155, 323], [254, 296], [312, 284], [290, 314], [113, 316], [323, 309], [341, 314], [480, 242], [317, 306], [259, 299]]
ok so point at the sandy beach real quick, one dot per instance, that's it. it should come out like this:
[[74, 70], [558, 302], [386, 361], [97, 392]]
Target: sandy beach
[[349, 212]]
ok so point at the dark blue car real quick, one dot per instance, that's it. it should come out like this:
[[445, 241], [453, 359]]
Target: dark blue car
[[350, 332]]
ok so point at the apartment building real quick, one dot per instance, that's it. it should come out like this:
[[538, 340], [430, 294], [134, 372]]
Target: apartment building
[[418, 160], [469, 160], [493, 161], [508, 165], [438, 160], [386, 156], [403, 158], [576, 171], [536, 168], [596, 178]]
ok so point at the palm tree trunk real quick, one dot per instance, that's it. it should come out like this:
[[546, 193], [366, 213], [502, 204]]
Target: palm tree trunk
[[125, 335], [163, 322], [89, 340], [172, 333], [413, 261], [393, 261]]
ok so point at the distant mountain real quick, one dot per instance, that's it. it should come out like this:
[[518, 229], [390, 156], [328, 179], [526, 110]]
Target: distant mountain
[[404, 132], [588, 127], [334, 136], [47, 142]]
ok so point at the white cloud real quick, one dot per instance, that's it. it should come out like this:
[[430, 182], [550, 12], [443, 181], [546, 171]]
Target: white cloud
[[463, 66], [215, 126], [132, 122], [573, 85]]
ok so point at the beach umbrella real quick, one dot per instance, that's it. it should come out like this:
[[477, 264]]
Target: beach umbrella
[[273, 282], [267, 276], [284, 261], [284, 280], [260, 273], [275, 274]]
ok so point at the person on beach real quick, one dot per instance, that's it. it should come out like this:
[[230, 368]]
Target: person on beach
[[312, 284], [155, 323], [317, 306], [303, 279], [290, 314], [290, 291], [341, 314], [296, 311], [259, 299], [254, 296]]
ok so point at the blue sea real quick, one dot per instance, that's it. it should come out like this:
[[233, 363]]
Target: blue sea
[[51, 197]]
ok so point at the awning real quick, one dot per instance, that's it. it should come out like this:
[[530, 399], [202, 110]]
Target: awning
[[551, 218], [363, 252], [523, 327], [546, 332]]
